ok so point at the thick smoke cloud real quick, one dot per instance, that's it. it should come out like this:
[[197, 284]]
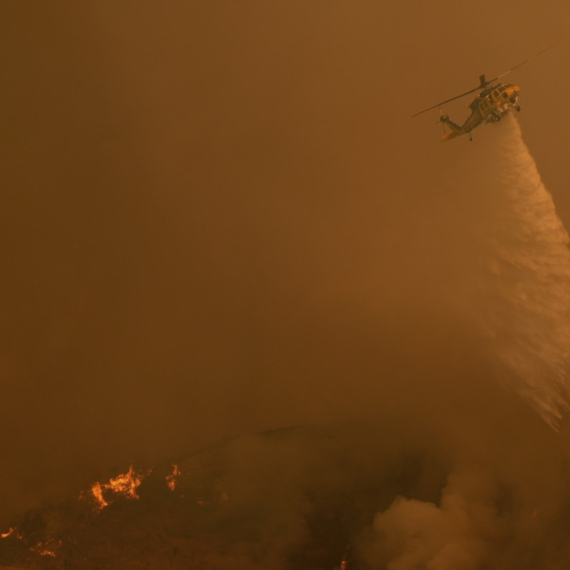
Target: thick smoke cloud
[[461, 532], [466, 478], [221, 220]]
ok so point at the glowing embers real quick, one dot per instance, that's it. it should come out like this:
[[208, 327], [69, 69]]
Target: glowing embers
[[7, 534], [173, 477], [11, 532], [124, 485], [41, 549]]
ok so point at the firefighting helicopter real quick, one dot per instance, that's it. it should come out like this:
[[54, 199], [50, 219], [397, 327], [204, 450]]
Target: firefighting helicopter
[[490, 104]]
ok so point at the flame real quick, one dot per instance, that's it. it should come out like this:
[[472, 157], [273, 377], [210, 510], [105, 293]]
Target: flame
[[11, 532], [124, 485], [41, 549], [98, 494], [171, 479]]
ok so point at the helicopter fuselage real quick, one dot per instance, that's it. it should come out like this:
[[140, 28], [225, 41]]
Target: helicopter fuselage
[[489, 106]]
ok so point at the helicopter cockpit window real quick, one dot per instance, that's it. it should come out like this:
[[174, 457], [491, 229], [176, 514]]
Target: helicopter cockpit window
[[505, 95], [496, 93]]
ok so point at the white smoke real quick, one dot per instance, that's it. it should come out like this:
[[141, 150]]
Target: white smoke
[[524, 282], [459, 534]]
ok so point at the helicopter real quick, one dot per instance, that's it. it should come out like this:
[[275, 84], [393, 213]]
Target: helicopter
[[490, 104]]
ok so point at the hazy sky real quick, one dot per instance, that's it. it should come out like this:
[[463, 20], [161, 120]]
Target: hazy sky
[[218, 217]]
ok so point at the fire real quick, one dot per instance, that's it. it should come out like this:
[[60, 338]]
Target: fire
[[171, 479], [41, 549], [124, 485], [98, 494], [11, 532]]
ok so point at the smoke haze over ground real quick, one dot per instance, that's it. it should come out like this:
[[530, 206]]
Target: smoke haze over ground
[[219, 219]]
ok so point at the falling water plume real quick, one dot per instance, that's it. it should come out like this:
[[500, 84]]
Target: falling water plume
[[525, 281]]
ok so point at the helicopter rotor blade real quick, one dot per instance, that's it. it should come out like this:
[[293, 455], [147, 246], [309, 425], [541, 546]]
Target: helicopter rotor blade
[[521, 63], [484, 82], [448, 100]]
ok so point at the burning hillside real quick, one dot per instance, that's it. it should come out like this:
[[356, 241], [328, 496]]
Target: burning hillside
[[296, 498], [348, 497], [124, 485]]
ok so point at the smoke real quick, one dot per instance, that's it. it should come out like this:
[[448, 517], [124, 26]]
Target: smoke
[[460, 533], [216, 229], [449, 471]]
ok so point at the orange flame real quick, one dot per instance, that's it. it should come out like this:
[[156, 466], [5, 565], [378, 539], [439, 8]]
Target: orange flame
[[7, 534], [40, 549], [98, 494], [125, 485], [171, 479]]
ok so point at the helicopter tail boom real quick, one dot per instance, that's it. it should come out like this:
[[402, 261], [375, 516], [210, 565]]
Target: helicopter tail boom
[[456, 130], [451, 135]]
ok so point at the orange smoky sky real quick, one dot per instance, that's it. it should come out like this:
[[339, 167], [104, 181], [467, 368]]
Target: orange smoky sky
[[218, 217]]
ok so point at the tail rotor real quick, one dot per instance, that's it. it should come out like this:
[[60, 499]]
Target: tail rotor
[[442, 119]]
